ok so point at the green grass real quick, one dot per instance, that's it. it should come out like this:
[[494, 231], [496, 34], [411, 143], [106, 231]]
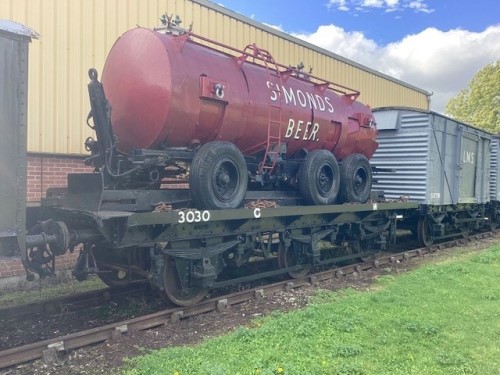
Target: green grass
[[438, 319]]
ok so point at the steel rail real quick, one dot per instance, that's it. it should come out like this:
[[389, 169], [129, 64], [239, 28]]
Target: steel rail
[[51, 348]]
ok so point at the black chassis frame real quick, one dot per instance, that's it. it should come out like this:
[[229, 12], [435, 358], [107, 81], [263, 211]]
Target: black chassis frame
[[201, 235]]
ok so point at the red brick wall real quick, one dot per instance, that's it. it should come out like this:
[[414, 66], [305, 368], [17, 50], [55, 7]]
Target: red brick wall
[[12, 267], [46, 171]]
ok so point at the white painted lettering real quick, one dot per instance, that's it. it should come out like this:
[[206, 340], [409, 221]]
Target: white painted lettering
[[312, 100], [468, 157], [193, 216], [289, 96], [289, 129], [302, 98], [321, 102], [274, 94], [306, 130], [295, 97], [330, 106], [298, 130], [314, 133]]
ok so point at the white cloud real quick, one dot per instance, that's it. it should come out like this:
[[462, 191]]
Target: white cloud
[[387, 5], [392, 3], [372, 3], [419, 6], [352, 45], [277, 27], [442, 62], [338, 4]]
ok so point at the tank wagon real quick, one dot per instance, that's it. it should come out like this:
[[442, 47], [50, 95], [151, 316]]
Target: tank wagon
[[433, 171], [238, 120]]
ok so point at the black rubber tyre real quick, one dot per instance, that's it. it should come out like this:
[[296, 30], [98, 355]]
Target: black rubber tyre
[[356, 179], [319, 178], [218, 177]]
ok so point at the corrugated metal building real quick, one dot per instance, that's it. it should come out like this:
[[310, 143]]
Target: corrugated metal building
[[77, 34]]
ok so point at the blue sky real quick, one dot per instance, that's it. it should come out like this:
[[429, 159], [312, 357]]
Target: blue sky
[[436, 45]]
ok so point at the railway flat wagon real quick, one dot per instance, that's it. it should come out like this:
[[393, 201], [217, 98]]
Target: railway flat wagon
[[14, 42], [441, 163], [128, 229]]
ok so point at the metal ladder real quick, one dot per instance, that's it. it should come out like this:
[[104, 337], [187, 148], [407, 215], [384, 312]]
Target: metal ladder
[[274, 112]]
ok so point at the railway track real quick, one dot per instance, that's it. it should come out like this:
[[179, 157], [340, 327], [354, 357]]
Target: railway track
[[52, 349]]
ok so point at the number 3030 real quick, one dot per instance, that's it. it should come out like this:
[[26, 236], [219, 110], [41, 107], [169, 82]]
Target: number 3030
[[193, 216]]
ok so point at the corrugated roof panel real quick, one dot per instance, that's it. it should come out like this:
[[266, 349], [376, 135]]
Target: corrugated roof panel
[[15, 28]]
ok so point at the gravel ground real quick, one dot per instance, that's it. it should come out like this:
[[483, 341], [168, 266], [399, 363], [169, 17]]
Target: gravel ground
[[108, 357]]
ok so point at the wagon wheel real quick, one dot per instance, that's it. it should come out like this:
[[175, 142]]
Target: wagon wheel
[[356, 179], [492, 224], [319, 178], [114, 275], [41, 259], [424, 232], [117, 277], [364, 248], [218, 177], [177, 281], [294, 255]]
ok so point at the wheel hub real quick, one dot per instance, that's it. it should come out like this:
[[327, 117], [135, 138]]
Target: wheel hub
[[224, 178]]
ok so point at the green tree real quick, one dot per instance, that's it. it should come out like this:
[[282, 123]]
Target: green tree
[[479, 103]]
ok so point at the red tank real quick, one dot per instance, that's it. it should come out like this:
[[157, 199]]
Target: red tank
[[168, 90]]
